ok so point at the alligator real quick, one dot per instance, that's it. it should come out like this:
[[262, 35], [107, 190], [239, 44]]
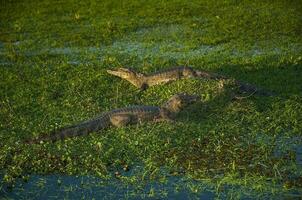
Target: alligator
[[144, 81], [122, 117]]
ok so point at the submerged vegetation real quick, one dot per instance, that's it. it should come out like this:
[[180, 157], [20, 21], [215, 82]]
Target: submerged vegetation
[[53, 61]]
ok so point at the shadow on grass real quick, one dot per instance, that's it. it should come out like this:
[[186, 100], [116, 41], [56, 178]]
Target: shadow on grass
[[284, 79]]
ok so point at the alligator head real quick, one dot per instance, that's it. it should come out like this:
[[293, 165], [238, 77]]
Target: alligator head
[[178, 101], [133, 77]]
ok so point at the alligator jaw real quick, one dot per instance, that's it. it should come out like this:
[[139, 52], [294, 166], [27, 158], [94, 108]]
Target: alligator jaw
[[137, 79], [121, 72]]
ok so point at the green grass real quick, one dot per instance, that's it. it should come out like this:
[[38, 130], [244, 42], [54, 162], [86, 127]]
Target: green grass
[[53, 61]]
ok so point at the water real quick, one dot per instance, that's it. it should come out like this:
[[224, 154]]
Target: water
[[88, 187]]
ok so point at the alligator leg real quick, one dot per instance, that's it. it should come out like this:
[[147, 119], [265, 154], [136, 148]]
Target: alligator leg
[[120, 120], [144, 86]]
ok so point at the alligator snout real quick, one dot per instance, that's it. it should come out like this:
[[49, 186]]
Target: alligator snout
[[121, 72]]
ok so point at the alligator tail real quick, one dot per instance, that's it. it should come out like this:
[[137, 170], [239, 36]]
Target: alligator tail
[[209, 75], [83, 128]]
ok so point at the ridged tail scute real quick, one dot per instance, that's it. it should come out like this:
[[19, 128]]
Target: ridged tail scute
[[209, 75], [83, 128], [252, 89]]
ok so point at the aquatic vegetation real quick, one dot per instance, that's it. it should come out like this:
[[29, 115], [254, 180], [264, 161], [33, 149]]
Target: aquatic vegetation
[[53, 62]]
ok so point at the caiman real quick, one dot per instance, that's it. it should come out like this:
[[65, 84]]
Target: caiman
[[144, 81], [122, 117]]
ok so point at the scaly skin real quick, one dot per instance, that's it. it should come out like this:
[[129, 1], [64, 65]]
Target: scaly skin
[[122, 117], [143, 81]]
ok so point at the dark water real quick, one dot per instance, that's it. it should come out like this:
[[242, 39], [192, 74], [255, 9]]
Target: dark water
[[174, 187], [87, 187]]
